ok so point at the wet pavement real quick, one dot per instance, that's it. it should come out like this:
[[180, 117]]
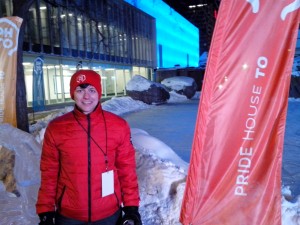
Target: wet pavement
[[291, 149], [174, 124]]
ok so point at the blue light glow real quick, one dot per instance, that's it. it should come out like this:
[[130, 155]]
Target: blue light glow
[[177, 36]]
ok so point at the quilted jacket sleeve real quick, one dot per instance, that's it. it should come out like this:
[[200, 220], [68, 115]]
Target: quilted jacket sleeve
[[126, 166], [49, 167]]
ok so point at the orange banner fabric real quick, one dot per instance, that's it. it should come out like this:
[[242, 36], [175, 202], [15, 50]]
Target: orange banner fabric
[[234, 176], [9, 34]]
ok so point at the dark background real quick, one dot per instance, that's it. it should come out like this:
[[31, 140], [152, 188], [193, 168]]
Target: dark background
[[202, 15]]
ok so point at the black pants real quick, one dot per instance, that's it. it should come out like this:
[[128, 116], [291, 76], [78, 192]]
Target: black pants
[[62, 220]]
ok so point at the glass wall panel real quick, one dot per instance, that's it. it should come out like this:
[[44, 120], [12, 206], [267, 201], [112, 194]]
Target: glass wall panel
[[105, 34], [33, 29], [5, 8], [118, 31], [44, 24], [110, 81], [67, 72], [136, 71], [28, 67], [101, 37], [81, 33], [73, 21], [127, 77], [88, 37], [47, 70], [55, 29], [95, 40], [54, 85], [120, 82], [57, 75], [65, 21]]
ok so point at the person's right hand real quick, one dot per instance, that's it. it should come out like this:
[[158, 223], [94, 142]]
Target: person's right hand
[[47, 218]]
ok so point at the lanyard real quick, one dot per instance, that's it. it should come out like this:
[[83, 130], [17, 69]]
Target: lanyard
[[105, 127]]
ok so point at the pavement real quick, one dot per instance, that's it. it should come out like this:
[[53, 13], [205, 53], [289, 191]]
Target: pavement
[[174, 124]]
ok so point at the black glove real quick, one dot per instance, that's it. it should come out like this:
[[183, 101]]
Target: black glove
[[47, 218], [131, 216]]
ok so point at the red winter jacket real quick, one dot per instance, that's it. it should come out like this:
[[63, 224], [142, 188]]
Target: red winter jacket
[[73, 160]]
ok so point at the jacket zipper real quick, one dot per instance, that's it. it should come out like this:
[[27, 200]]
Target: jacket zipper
[[89, 171]]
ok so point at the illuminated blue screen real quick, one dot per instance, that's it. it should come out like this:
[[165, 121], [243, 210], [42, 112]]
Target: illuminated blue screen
[[178, 38]]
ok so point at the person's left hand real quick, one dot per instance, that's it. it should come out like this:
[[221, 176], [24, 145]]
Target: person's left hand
[[131, 214]]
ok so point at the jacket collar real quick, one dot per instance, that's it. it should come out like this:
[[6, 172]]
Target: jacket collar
[[80, 115]]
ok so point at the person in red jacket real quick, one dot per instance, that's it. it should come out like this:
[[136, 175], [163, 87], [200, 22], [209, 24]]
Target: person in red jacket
[[88, 169]]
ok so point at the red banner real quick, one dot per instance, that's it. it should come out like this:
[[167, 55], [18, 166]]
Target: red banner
[[9, 34], [234, 176]]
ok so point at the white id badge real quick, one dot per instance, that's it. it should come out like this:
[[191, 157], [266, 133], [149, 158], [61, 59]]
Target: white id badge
[[107, 183]]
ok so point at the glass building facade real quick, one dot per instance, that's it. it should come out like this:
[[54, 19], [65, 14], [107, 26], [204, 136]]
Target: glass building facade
[[111, 37], [177, 39]]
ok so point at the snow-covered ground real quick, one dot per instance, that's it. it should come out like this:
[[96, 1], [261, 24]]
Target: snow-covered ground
[[161, 173]]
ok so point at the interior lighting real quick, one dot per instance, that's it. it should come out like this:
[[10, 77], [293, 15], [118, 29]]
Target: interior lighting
[[199, 6]]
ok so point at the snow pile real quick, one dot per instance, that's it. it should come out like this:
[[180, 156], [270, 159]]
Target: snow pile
[[178, 83], [161, 185], [138, 83], [27, 150], [121, 105], [290, 210], [148, 144]]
